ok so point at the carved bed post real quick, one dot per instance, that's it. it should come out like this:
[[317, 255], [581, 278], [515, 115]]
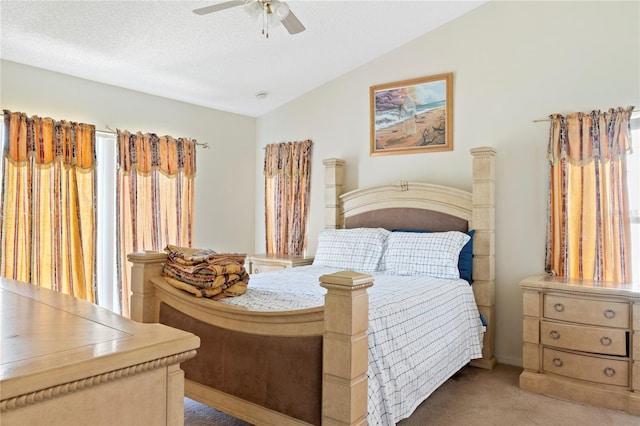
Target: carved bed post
[[345, 348], [143, 300], [333, 179], [484, 242]]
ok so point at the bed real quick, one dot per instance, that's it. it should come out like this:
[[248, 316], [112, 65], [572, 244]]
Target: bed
[[310, 362]]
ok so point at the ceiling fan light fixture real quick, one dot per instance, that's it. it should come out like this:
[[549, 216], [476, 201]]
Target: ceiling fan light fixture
[[254, 9], [271, 12], [280, 9], [269, 17]]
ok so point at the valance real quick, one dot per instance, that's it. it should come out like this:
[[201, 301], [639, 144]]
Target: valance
[[46, 141], [148, 152], [581, 137], [287, 159]]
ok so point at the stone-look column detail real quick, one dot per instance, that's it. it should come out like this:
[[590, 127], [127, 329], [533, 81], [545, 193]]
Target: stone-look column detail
[[345, 348], [175, 386], [333, 181], [483, 221], [532, 315], [143, 300]]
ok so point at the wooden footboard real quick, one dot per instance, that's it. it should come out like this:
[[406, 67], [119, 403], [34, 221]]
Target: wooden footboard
[[313, 369]]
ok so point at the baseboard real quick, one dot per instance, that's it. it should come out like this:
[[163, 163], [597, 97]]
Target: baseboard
[[617, 398]]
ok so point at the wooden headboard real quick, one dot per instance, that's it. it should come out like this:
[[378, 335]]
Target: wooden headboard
[[414, 205]]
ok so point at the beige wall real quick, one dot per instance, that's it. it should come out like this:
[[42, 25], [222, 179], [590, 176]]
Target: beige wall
[[513, 62], [225, 192]]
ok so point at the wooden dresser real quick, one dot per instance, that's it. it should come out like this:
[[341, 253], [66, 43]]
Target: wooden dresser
[[65, 361], [272, 262], [581, 341]]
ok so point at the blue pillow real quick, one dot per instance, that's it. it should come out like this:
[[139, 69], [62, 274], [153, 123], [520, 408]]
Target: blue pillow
[[465, 261]]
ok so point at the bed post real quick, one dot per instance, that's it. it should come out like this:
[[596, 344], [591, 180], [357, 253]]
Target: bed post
[[333, 179], [345, 348], [484, 242], [146, 265]]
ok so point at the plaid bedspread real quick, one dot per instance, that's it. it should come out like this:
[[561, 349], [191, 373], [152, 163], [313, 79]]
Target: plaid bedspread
[[421, 331]]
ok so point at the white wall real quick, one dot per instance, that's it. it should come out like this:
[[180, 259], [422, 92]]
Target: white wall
[[224, 190], [513, 62]]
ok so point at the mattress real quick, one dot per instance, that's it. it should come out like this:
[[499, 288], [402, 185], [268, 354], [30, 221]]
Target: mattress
[[421, 331]]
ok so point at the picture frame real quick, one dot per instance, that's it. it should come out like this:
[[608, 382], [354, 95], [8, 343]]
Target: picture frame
[[412, 116]]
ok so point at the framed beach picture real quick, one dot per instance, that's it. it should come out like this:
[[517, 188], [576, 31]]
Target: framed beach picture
[[412, 115]]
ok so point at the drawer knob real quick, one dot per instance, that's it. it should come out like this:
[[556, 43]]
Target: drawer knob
[[605, 341], [609, 372], [255, 270], [558, 363], [558, 307], [554, 334], [609, 313]]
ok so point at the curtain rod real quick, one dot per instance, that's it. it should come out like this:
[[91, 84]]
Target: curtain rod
[[113, 132], [547, 119]]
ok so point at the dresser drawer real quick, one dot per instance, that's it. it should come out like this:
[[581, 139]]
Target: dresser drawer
[[257, 268], [586, 311], [591, 368], [607, 341]]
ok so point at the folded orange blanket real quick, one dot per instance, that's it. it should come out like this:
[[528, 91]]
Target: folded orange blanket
[[217, 293], [202, 281], [204, 268], [196, 291], [205, 273]]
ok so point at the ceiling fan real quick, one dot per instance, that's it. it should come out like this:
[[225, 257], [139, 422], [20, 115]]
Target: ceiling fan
[[272, 12]]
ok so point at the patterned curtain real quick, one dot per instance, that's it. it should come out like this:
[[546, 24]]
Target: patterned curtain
[[47, 208], [155, 198], [588, 232], [287, 170]]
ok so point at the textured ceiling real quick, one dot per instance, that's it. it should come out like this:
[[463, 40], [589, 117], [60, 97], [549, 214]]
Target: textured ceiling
[[219, 60]]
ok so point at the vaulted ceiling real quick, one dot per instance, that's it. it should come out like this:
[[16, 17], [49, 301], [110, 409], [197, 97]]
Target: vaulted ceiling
[[219, 60]]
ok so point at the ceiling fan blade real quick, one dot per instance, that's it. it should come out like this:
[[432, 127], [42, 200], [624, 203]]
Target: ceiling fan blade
[[292, 24], [220, 6]]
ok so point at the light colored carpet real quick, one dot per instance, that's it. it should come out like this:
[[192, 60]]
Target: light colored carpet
[[473, 397], [196, 414]]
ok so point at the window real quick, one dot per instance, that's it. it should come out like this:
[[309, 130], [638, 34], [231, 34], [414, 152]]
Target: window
[[108, 295], [91, 264], [588, 230]]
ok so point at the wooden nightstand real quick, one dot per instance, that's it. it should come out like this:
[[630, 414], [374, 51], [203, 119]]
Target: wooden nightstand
[[581, 341], [271, 262]]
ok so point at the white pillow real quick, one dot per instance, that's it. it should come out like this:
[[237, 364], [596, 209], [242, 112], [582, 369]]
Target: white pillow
[[358, 249], [434, 254]]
